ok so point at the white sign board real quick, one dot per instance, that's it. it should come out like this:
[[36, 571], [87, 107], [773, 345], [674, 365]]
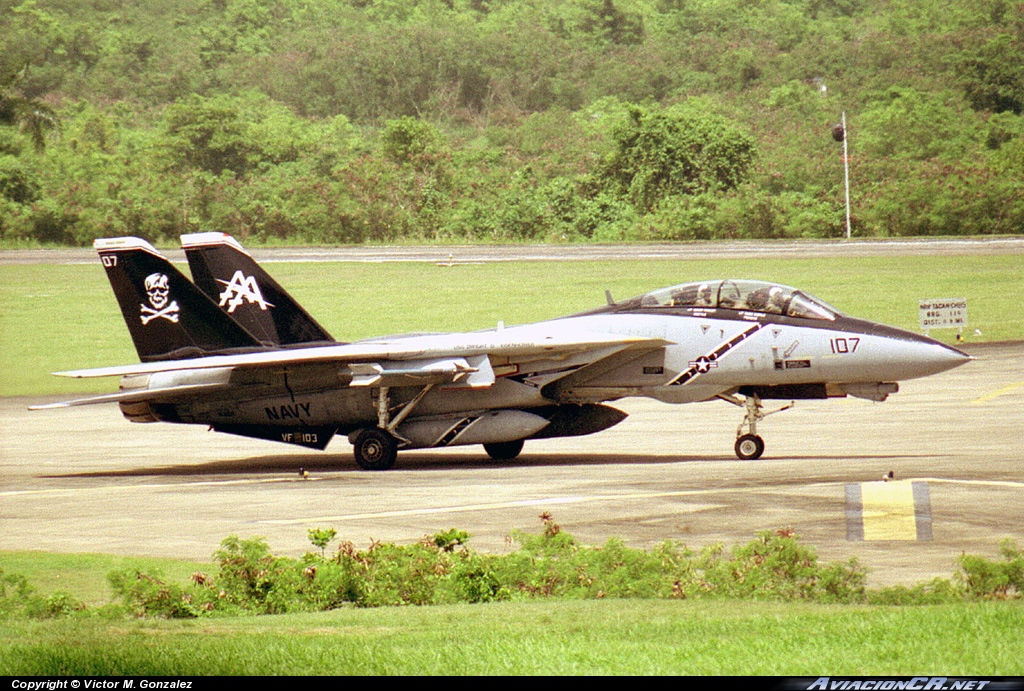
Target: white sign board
[[943, 313]]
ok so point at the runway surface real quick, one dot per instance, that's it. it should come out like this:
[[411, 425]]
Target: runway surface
[[86, 480], [503, 253]]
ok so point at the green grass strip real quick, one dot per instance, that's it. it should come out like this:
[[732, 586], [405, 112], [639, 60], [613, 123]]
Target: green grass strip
[[590, 637]]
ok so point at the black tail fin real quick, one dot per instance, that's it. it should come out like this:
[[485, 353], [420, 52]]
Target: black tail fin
[[168, 317], [230, 276]]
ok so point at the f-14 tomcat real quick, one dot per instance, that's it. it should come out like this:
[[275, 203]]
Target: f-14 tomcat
[[235, 352]]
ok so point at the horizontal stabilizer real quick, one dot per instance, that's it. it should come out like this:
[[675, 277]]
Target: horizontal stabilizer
[[133, 396]]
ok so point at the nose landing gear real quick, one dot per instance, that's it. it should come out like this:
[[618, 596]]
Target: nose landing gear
[[750, 446]]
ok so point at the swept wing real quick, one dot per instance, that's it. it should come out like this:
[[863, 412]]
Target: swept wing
[[466, 360]]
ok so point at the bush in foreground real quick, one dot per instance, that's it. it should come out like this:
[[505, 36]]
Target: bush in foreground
[[18, 597], [441, 569]]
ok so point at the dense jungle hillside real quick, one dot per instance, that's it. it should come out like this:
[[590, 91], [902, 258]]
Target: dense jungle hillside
[[349, 121]]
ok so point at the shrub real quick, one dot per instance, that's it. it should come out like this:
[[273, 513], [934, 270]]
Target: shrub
[[476, 578], [17, 184], [15, 593], [408, 140], [149, 595], [774, 566], [989, 580], [17, 597], [255, 580], [321, 537], [329, 584], [936, 592]]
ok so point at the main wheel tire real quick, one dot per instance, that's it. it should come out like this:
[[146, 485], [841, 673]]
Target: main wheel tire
[[504, 450], [749, 447], [375, 449]]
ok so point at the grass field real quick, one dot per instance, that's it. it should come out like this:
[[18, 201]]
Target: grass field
[[563, 637], [64, 317]]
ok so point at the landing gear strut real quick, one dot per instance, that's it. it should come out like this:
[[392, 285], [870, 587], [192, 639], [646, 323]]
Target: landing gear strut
[[750, 446], [377, 448]]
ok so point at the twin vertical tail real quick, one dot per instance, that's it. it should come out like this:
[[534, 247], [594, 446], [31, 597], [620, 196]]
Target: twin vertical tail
[[168, 317], [230, 276]]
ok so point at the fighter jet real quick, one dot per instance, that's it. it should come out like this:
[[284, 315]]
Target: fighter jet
[[236, 353]]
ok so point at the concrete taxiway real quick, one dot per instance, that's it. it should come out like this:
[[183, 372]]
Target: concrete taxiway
[[86, 480]]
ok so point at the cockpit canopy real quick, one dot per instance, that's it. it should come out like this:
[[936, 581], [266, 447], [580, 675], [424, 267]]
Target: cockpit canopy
[[752, 296]]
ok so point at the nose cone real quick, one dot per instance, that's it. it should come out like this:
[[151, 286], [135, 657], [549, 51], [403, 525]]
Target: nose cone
[[906, 355], [921, 356], [933, 357]]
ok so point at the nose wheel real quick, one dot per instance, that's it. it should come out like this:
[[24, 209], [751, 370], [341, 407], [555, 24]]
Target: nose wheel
[[749, 446]]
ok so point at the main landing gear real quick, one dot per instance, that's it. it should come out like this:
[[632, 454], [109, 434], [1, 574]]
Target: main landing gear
[[377, 448], [750, 446], [504, 450]]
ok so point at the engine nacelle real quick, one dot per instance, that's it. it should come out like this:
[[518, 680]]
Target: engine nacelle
[[571, 420]]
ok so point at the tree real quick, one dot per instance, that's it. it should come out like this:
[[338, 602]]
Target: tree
[[906, 123], [677, 150], [993, 75], [608, 22], [31, 116], [406, 138], [236, 133], [208, 134]]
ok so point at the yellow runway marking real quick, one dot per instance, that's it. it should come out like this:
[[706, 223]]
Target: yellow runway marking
[[888, 511], [997, 393]]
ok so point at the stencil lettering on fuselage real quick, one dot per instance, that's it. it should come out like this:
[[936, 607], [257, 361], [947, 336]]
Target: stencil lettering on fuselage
[[288, 411]]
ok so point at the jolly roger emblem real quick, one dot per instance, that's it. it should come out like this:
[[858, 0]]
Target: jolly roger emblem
[[158, 290], [241, 287]]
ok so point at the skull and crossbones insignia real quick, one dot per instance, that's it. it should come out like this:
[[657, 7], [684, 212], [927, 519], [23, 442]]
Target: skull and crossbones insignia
[[158, 291]]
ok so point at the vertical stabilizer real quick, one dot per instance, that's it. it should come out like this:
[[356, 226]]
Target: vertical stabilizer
[[232, 278], [167, 316]]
